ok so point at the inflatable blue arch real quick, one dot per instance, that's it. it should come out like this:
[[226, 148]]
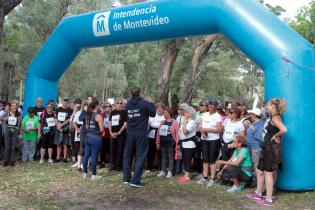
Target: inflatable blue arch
[[256, 31]]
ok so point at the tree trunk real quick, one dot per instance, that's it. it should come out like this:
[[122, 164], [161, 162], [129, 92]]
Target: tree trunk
[[168, 58], [6, 6], [7, 77], [199, 53]]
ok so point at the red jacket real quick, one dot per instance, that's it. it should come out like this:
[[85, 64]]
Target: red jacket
[[107, 134]]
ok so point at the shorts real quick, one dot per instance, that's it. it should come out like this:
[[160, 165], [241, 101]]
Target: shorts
[[82, 140], [210, 151], [270, 157], [47, 141], [232, 172], [61, 138]]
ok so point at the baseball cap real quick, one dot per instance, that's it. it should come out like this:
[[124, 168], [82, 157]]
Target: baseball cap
[[214, 102], [255, 111]]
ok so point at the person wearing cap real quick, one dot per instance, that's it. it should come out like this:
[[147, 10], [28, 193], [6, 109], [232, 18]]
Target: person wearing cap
[[30, 134], [210, 129], [254, 137], [187, 133], [62, 133]]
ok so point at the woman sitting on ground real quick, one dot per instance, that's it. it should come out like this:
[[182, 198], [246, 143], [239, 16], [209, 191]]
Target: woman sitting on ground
[[238, 167]]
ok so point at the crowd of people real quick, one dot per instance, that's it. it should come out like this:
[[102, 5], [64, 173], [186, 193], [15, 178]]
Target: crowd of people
[[226, 145]]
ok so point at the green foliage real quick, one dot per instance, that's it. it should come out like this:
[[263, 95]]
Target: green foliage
[[304, 22]]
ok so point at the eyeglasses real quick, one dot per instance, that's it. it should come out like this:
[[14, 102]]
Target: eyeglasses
[[119, 103], [202, 104]]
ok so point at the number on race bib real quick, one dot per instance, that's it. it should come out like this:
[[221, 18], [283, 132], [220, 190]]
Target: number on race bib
[[62, 116], [51, 122], [164, 130], [29, 125], [229, 133], [115, 120], [12, 121]]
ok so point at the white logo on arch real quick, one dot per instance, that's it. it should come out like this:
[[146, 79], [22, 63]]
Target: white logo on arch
[[100, 24]]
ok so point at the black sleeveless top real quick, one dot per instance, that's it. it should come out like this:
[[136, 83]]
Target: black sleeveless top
[[271, 130], [94, 128]]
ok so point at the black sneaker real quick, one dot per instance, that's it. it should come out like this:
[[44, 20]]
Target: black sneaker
[[64, 161], [5, 164], [138, 185], [57, 161], [12, 164]]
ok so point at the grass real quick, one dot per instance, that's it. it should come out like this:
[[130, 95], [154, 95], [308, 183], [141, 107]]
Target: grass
[[34, 186]]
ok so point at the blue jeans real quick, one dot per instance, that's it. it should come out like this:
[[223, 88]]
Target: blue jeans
[[93, 146], [140, 143]]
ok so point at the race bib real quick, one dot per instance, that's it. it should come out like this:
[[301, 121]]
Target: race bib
[[62, 116], [51, 122], [77, 137], [39, 114], [228, 133], [164, 130], [29, 125], [115, 120], [106, 122], [12, 121]]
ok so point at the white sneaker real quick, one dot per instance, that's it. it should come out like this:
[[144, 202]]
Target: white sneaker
[[74, 165], [85, 175], [161, 174], [50, 161], [169, 175], [41, 161], [234, 189], [202, 181], [95, 177], [210, 183], [200, 176]]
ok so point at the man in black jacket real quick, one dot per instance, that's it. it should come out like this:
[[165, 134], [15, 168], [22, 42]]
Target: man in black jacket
[[139, 111]]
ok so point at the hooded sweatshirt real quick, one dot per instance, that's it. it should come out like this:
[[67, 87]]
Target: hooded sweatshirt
[[139, 112]]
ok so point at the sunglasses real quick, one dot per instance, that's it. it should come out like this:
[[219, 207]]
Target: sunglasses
[[108, 106], [202, 104], [119, 103]]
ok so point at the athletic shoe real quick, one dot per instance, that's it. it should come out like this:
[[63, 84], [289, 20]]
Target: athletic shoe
[[202, 181], [200, 176], [254, 195], [85, 175], [235, 189], [243, 185], [64, 161], [74, 165], [96, 177], [138, 185], [126, 182], [169, 175], [161, 174], [79, 170], [57, 161], [184, 179], [41, 161], [210, 183], [50, 161], [264, 202]]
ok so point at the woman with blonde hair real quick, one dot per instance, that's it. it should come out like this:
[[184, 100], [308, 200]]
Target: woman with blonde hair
[[270, 156]]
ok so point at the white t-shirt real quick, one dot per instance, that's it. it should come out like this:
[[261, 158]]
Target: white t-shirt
[[155, 122], [231, 129], [210, 121], [78, 122], [191, 127]]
